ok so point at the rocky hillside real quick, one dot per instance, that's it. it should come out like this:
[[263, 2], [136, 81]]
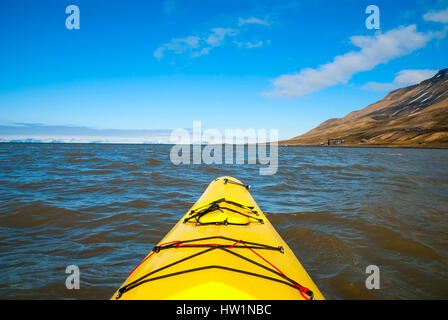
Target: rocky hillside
[[411, 116]]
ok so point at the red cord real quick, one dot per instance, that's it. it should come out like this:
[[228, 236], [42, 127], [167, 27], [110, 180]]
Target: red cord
[[302, 290], [163, 244], [141, 263], [233, 244]]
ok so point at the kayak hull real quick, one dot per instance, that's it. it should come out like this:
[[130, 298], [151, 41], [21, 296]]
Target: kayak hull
[[200, 271]]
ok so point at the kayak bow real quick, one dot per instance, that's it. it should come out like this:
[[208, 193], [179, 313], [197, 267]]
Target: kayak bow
[[223, 248]]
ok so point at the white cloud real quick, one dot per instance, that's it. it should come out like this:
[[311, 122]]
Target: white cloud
[[380, 87], [253, 20], [178, 45], [403, 78], [203, 44], [218, 34], [215, 39], [437, 16], [407, 77], [377, 49], [250, 45]]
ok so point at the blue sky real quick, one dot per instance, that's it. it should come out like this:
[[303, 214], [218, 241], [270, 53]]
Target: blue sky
[[154, 65]]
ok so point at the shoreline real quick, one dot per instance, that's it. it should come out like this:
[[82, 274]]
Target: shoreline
[[366, 146], [280, 144]]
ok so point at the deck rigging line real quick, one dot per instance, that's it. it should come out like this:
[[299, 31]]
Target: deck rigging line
[[213, 206], [305, 292]]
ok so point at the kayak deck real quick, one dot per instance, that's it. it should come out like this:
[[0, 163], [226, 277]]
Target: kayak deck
[[223, 248]]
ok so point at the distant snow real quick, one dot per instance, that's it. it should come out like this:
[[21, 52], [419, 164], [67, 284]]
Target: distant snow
[[26, 132]]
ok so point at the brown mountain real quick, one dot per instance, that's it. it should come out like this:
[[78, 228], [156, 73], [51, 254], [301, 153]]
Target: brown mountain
[[413, 116]]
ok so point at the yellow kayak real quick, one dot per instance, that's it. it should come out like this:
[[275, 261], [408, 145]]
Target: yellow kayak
[[224, 248]]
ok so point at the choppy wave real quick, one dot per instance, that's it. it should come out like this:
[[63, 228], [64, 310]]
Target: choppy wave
[[103, 207]]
